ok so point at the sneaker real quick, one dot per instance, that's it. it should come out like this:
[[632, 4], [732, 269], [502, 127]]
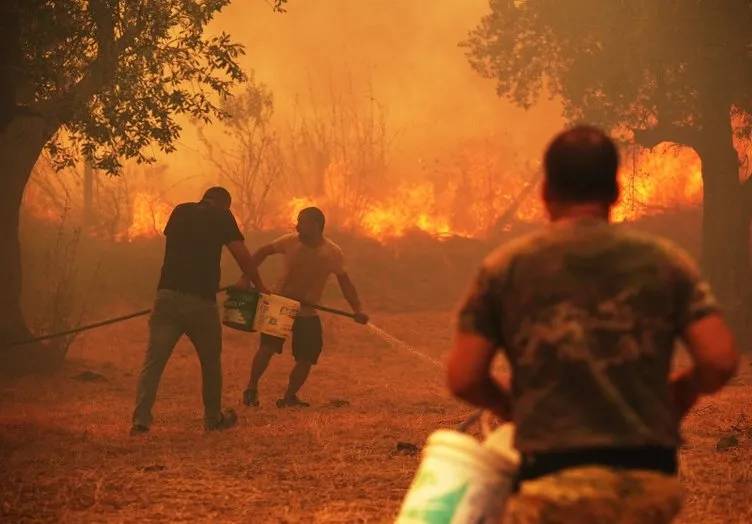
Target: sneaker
[[292, 402], [138, 429], [228, 420], [250, 397]]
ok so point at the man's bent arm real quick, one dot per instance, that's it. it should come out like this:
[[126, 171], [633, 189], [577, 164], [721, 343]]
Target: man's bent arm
[[262, 253], [349, 292], [469, 375], [247, 264], [715, 358]]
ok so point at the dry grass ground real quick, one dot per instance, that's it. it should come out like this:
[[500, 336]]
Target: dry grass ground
[[65, 453]]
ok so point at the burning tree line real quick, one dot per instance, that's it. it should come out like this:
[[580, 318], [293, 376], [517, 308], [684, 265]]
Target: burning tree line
[[337, 156]]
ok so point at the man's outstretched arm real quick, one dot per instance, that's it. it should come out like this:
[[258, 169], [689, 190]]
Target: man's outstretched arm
[[469, 374], [249, 264], [351, 295]]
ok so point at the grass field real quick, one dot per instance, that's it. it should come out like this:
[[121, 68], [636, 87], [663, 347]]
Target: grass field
[[65, 453]]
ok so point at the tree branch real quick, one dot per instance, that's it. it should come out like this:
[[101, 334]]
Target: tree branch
[[650, 138], [102, 70]]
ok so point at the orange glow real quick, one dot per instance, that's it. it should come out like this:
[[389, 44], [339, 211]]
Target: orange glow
[[466, 201], [741, 122], [148, 216], [411, 208], [653, 181], [293, 208], [666, 177], [37, 204]]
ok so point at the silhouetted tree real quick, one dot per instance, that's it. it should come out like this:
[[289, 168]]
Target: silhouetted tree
[[99, 80], [248, 158], [662, 69], [337, 152]]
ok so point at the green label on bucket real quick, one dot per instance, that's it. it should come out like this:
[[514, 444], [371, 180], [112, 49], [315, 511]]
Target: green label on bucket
[[438, 510], [240, 309]]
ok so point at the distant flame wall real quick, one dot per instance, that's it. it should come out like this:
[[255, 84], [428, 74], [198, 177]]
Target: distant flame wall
[[465, 197]]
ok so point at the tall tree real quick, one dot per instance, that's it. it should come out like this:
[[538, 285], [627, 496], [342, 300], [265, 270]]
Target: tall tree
[[100, 80], [666, 70]]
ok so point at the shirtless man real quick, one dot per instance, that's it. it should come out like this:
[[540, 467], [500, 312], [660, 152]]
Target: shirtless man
[[310, 257]]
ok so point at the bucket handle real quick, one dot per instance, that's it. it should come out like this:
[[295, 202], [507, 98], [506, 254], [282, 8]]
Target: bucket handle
[[485, 419], [314, 306], [469, 421]]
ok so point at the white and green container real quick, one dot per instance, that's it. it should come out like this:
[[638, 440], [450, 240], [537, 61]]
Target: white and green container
[[239, 309], [275, 315], [266, 313], [461, 480]]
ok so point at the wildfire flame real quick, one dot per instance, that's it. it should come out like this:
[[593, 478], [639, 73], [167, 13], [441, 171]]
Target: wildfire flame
[[149, 216], [652, 181], [663, 178], [412, 208]]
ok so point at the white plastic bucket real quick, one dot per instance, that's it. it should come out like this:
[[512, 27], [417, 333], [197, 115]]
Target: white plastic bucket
[[461, 480], [275, 315]]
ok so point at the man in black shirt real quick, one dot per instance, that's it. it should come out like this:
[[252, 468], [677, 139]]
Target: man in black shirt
[[186, 302]]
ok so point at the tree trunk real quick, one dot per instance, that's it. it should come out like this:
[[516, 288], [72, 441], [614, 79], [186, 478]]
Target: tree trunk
[[88, 203], [725, 226], [21, 142]]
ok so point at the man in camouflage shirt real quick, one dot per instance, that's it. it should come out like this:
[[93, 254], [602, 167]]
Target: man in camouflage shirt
[[587, 314]]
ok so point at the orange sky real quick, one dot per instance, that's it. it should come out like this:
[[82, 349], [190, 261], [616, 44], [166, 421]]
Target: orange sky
[[406, 50]]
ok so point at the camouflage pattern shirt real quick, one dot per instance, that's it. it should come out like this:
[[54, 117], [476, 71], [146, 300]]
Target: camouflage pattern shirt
[[587, 314]]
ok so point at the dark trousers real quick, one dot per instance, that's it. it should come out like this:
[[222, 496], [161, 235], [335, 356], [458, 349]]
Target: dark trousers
[[175, 314]]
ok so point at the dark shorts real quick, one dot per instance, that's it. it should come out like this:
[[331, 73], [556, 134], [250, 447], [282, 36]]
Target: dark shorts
[[307, 340]]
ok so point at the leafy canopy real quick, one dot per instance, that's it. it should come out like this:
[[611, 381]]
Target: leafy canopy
[[109, 77], [666, 66]]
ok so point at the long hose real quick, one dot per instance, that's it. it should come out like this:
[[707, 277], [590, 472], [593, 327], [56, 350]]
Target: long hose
[[463, 426]]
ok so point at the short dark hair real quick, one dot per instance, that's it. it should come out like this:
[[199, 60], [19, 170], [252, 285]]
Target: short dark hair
[[315, 214], [581, 165], [218, 194]]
